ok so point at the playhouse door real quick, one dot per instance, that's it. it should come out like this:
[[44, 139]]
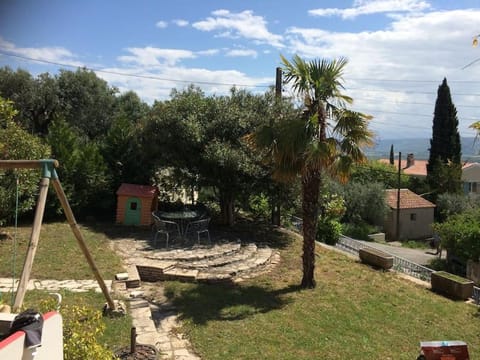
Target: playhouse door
[[133, 211]]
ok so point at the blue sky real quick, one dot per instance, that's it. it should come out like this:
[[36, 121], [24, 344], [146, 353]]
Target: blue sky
[[399, 51]]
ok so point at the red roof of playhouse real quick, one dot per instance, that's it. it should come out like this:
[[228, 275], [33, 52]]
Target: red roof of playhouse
[[137, 190], [408, 199]]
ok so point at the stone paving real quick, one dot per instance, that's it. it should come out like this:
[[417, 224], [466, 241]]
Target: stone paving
[[154, 317], [54, 285]]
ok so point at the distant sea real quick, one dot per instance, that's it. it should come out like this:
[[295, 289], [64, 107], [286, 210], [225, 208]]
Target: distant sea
[[420, 148]]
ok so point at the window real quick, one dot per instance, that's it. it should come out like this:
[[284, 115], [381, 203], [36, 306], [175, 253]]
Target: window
[[413, 217], [133, 206], [471, 187]]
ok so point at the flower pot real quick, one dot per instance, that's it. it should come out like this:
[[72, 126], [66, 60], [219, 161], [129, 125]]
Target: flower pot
[[453, 286], [376, 258]]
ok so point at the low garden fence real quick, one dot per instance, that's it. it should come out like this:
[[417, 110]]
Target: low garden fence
[[399, 264]]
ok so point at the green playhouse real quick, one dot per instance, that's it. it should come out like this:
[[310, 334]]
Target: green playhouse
[[135, 204]]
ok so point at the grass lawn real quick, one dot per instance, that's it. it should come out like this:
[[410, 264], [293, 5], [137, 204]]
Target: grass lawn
[[355, 312], [59, 257], [58, 254]]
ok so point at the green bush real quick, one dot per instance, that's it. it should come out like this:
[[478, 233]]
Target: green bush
[[82, 326], [259, 206], [359, 231], [460, 235], [328, 231]]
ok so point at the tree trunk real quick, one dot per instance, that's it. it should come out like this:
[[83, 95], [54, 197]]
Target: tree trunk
[[310, 193], [227, 209], [275, 213]]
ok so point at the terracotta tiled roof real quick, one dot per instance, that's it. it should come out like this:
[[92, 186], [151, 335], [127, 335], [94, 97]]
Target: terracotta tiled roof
[[419, 168], [408, 199], [137, 190]]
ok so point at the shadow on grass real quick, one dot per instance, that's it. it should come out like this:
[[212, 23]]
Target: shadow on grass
[[202, 302]]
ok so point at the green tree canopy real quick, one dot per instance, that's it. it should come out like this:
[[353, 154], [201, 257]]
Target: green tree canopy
[[201, 137], [444, 169], [87, 101], [17, 144]]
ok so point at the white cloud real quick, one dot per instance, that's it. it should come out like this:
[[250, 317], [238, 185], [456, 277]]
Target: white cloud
[[157, 85], [151, 56], [161, 24], [180, 22], [208, 52], [365, 7], [243, 24], [242, 52], [420, 48], [49, 54]]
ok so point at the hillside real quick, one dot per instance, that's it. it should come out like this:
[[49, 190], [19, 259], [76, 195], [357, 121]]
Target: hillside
[[420, 148]]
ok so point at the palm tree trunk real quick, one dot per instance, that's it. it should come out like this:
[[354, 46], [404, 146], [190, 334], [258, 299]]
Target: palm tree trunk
[[310, 193]]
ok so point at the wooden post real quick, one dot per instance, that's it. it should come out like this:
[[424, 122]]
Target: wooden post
[[397, 228], [276, 211], [32, 246], [81, 242], [26, 164]]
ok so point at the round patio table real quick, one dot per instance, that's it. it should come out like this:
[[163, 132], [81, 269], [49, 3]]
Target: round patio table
[[182, 218]]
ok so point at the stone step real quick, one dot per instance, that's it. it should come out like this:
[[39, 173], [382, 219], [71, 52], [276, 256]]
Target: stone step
[[244, 253], [196, 253], [230, 271], [133, 280], [219, 263]]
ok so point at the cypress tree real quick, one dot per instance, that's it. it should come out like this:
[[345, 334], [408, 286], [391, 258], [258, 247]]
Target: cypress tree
[[444, 164], [392, 159]]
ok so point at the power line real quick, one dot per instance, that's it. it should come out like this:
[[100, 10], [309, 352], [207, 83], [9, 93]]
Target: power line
[[414, 103], [150, 77], [414, 81], [406, 91]]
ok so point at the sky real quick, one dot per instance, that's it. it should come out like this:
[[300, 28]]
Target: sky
[[398, 51]]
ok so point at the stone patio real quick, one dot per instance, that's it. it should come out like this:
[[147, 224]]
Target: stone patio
[[154, 317]]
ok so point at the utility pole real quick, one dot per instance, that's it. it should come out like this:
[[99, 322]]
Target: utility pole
[[278, 96], [397, 227]]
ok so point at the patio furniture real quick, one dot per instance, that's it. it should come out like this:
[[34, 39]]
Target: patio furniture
[[198, 227], [182, 218], [164, 227]]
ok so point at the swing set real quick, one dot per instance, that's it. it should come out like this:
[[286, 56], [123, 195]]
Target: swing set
[[47, 167]]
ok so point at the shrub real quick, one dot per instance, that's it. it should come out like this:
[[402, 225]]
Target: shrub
[[460, 235], [259, 206], [452, 204], [359, 231], [365, 203], [328, 231], [82, 326]]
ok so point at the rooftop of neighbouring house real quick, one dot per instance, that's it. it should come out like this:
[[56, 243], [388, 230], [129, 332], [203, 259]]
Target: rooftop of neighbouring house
[[412, 166], [408, 199]]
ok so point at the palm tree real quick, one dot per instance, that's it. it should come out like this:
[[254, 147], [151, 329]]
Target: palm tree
[[326, 138]]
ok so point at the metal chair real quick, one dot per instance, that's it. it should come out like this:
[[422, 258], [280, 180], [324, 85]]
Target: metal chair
[[164, 227], [198, 227]]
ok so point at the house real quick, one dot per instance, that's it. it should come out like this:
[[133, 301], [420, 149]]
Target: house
[[135, 204], [471, 179], [410, 166], [418, 168], [415, 215]]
